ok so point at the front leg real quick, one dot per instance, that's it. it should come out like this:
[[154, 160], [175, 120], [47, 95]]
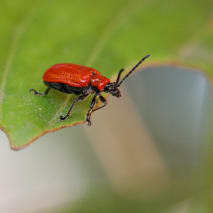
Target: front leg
[[92, 105]]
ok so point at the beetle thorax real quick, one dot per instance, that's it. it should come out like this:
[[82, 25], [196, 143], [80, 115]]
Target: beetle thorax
[[99, 81]]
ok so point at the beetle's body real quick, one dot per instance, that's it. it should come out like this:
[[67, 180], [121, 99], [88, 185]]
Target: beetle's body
[[75, 75], [81, 80]]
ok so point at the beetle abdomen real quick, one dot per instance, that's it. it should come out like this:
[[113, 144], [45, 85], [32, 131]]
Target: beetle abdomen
[[66, 88]]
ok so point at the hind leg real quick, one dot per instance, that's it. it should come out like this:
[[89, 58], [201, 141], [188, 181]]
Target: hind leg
[[39, 93]]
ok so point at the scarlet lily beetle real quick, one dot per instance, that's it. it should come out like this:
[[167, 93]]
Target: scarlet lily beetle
[[82, 81]]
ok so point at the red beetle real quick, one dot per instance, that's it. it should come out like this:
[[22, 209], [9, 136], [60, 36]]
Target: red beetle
[[82, 81]]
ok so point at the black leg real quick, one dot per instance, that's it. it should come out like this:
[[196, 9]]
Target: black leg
[[102, 99], [90, 110], [39, 93], [79, 98]]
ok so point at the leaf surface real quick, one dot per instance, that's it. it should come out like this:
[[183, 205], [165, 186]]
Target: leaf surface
[[106, 35]]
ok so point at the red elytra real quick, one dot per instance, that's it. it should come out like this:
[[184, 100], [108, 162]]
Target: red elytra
[[83, 81], [76, 76]]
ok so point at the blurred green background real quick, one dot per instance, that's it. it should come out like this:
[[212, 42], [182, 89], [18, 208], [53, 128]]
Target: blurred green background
[[149, 151]]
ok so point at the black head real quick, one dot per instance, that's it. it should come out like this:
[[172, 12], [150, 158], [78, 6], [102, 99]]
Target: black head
[[112, 88]]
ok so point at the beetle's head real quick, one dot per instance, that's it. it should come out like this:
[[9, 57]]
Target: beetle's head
[[113, 89]]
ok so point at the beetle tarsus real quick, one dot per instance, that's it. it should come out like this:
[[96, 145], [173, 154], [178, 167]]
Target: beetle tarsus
[[36, 93], [89, 123], [63, 118], [39, 93]]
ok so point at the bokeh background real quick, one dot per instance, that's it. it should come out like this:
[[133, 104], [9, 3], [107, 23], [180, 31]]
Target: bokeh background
[[146, 152], [149, 151]]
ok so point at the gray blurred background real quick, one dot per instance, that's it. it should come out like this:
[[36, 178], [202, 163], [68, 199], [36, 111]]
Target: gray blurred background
[[145, 150]]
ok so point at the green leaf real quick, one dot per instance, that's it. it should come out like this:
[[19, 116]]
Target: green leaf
[[106, 35]]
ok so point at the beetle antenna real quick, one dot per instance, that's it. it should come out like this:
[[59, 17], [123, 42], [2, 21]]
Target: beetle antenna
[[119, 75], [127, 75]]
